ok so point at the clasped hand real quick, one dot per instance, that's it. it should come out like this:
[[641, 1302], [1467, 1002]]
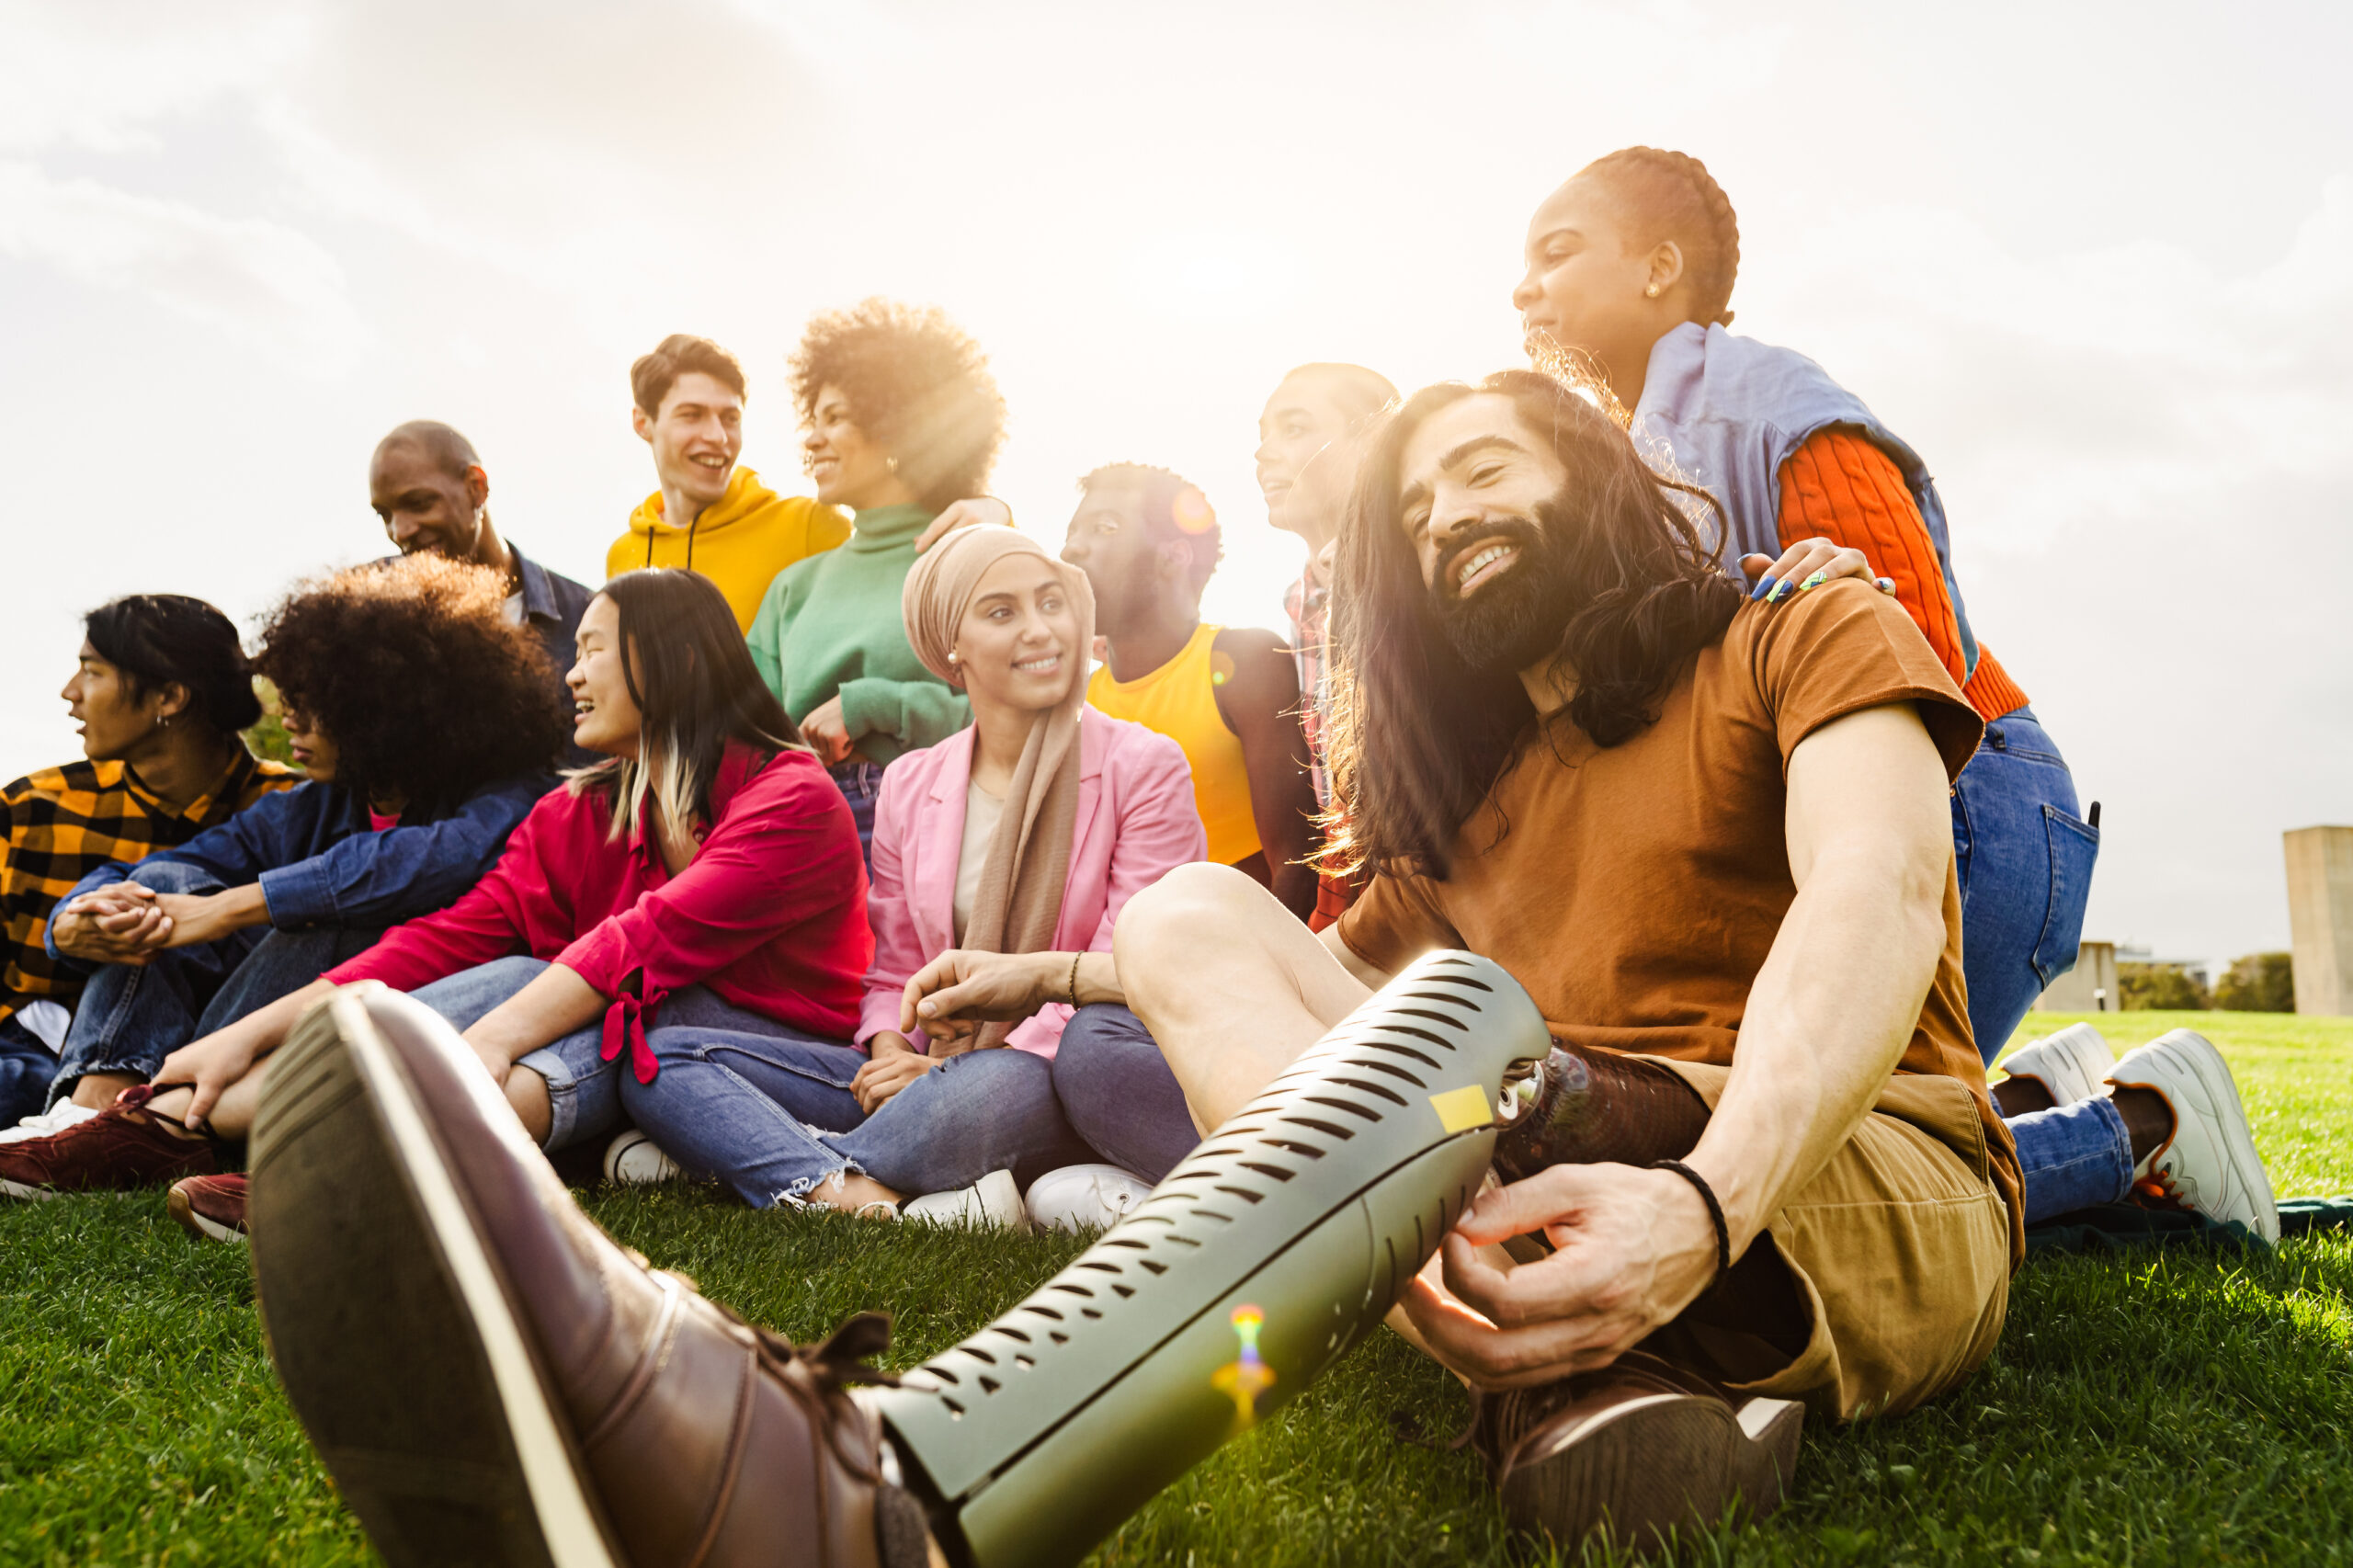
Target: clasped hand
[[1632, 1248]]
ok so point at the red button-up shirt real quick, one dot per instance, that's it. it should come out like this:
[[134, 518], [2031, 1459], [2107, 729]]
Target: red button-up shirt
[[770, 914]]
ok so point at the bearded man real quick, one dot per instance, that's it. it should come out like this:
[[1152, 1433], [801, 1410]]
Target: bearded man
[[1701, 844]]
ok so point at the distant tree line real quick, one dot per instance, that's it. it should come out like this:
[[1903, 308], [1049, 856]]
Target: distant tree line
[[2259, 983]]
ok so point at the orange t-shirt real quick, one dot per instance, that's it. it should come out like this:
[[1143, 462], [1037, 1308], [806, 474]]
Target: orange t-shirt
[[1843, 488], [1636, 890]]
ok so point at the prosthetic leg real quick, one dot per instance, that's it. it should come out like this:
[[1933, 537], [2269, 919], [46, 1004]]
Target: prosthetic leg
[[1273, 1248]]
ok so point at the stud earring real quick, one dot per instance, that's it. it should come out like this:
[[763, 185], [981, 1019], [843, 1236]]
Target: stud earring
[[1651, 292], [892, 463], [952, 659]]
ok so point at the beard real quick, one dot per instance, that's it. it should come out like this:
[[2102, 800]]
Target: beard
[[1519, 619]]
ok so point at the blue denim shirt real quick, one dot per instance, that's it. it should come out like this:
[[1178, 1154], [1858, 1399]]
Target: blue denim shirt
[[553, 606], [319, 864], [1725, 412]]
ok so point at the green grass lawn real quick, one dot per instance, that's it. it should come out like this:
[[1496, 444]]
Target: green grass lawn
[[2174, 1408]]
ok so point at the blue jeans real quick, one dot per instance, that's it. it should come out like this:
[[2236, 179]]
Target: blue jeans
[[1120, 1095], [26, 1068], [2073, 1156], [585, 1091], [2024, 858], [132, 1016], [860, 784], [773, 1117]]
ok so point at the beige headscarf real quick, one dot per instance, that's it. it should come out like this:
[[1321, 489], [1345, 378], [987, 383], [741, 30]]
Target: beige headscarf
[[1020, 897]]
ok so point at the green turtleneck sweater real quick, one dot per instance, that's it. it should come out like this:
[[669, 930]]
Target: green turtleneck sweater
[[832, 623]]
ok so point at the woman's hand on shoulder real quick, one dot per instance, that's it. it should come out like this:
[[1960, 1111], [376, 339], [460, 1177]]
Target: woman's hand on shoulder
[[894, 1063], [982, 509], [826, 732], [1806, 565]]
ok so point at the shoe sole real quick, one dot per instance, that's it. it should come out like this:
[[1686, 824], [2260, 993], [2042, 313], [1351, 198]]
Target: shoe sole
[[201, 1227], [2221, 1091], [29, 1194], [362, 1239], [1652, 1466]]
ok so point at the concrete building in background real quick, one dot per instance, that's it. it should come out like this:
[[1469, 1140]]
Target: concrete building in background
[[2320, 918], [2089, 987]]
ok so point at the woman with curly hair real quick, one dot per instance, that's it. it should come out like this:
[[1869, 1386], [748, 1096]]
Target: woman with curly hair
[[902, 419], [424, 719], [704, 877]]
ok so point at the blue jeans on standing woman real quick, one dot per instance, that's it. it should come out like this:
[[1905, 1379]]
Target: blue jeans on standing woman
[[2024, 858], [860, 784]]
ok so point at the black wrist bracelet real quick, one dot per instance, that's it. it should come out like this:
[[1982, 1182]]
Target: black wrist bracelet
[[1073, 978], [1715, 1210]]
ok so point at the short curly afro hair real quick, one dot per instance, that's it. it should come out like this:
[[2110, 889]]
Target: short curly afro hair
[[918, 385], [411, 668]]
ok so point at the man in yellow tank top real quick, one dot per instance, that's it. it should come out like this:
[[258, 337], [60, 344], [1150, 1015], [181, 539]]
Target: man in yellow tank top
[[1148, 542]]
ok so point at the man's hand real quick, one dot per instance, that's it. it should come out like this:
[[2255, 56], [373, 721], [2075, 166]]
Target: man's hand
[[963, 514], [121, 923], [206, 917], [1808, 563], [895, 1064], [825, 732], [1632, 1248], [209, 1066], [959, 989]]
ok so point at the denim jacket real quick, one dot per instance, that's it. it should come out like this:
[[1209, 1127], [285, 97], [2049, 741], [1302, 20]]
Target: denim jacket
[[1725, 412], [319, 863]]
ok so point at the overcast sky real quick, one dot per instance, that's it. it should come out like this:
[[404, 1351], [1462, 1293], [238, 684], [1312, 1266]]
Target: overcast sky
[[2095, 262]]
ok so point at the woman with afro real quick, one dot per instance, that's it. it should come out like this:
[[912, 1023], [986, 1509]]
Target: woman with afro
[[901, 417], [428, 725]]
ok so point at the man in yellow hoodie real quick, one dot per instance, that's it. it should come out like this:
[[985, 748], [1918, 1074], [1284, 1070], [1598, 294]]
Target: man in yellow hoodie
[[710, 516]]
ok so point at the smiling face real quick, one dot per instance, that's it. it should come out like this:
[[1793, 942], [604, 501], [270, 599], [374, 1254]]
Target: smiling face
[[1018, 644], [111, 720], [1586, 286], [851, 467], [423, 506], [1478, 498], [605, 717], [313, 749], [1298, 421], [695, 437]]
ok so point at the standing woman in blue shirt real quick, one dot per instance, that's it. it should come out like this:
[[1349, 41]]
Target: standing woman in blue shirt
[[427, 724]]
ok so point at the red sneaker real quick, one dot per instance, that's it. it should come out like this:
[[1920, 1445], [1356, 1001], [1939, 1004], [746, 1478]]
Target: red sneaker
[[210, 1206], [123, 1147]]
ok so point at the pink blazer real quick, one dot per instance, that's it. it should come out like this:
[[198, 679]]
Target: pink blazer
[[1136, 820]]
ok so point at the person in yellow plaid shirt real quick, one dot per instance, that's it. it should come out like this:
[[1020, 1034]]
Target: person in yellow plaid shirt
[[160, 691]]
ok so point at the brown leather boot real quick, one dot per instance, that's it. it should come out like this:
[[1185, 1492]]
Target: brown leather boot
[[1643, 1445], [490, 1379]]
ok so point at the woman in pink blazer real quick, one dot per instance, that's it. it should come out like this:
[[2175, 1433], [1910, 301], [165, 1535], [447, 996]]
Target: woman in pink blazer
[[1025, 833]]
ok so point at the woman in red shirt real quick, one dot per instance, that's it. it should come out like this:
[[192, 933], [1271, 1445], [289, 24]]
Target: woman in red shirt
[[707, 876]]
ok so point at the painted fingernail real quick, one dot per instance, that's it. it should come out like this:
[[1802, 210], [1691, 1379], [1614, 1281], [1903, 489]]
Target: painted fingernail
[[1781, 591], [1887, 584], [1815, 581], [1765, 586]]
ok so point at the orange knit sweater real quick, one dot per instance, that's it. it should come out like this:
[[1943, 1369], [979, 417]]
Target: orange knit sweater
[[1842, 487]]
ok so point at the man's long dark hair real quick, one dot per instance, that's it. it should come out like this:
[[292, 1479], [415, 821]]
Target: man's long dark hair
[[696, 689], [1419, 738]]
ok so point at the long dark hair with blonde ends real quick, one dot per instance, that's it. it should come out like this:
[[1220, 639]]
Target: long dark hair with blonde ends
[[697, 691], [1418, 738]]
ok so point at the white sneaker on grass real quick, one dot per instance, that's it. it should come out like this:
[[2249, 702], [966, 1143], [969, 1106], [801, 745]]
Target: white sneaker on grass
[[991, 1203], [2209, 1165], [2070, 1066], [635, 1160], [1081, 1198], [63, 1115]]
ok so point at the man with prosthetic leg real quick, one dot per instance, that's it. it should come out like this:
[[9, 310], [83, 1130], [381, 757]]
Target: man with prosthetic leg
[[1841, 1238]]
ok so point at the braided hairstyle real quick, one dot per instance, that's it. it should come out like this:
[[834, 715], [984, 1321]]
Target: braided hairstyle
[[1671, 196]]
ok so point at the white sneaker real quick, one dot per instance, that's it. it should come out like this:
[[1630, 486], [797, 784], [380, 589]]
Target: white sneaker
[[991, 1203], [2070, 1066], [57, 1119], [2209, 1165], [635, 1160], [1084, 1198]]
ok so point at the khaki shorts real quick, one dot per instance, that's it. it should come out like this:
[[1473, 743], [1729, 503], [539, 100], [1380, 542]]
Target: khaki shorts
[[1900, 1247]]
